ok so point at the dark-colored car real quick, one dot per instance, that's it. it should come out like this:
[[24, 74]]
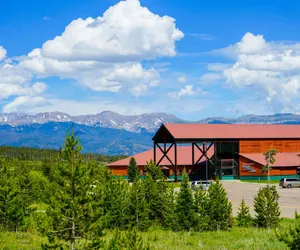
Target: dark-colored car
[[289, 182]]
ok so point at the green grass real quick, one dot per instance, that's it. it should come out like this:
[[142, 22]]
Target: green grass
[[20, 241], [237, 238]]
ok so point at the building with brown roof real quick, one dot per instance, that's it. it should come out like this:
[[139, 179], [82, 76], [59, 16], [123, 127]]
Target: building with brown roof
[[229, 151]]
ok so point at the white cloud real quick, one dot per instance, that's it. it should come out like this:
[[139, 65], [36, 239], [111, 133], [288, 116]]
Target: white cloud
[[126, 31], [2, 53], [181, 79], [218, 66], [210, 77], [24, 103], [106, 53], [188, 90], [270, 70], [15, 81]]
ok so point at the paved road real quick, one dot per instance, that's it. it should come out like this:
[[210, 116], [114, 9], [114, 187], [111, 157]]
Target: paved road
[[289, 198]]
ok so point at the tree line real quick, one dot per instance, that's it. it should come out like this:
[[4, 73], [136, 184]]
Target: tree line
[[73, 202]]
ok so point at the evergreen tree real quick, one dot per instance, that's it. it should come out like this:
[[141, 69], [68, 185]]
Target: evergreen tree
[[154, 170], [219, 208], [14, 202], [169, 214], [243, 217], [69, 204], [266, 207], [185, 210], [133, 170], [136, 207], [202, 208], [156, 197]]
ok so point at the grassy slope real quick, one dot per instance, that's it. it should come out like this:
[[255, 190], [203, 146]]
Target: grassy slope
[[237, 238]]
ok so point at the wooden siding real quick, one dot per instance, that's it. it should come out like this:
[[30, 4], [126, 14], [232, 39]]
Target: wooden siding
[[122, 170], [257, 167], [261, 146]]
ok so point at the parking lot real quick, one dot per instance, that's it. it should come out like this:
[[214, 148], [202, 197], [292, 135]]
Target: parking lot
[[289, 197]]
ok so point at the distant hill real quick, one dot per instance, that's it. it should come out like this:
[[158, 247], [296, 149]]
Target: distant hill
[[107, 119], [93, 139], [106, 132], [137, 123]]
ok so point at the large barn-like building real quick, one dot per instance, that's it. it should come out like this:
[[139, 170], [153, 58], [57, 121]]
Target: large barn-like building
[[227, 151]]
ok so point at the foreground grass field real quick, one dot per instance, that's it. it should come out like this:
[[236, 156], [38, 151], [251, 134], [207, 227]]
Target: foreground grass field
[[237, 238]]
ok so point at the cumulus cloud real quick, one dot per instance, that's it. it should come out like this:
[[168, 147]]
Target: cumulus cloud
[[106, 53], [24, 103], [181, 79], [125, 32], [188, 90], [270, 70], [15, 81], [2, 53]]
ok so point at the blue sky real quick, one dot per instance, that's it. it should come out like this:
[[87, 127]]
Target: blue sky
[[194, 59]]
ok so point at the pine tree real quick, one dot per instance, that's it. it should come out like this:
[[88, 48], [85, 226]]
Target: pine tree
[[266, 207], [243, 217], [154, 170], [133, 170], [220, 209], [202, 208], [136, 207], [156, 197], [185, 209], [169, 215], [14, 208], [69, 204]]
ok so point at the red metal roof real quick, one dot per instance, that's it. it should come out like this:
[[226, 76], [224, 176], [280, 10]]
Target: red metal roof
[[282, 159], [233, 131], [184, 157]]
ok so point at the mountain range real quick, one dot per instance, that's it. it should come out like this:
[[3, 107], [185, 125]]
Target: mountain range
[[106, 132]]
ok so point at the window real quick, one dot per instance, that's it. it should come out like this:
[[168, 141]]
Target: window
[[144, 172], [180, 172]]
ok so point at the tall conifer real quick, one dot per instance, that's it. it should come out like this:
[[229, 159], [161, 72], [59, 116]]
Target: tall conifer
[[219, 208], [185, 209], [69, 204], [132, 171]]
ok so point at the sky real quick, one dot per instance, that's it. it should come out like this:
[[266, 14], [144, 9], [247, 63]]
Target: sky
[[193, 59]]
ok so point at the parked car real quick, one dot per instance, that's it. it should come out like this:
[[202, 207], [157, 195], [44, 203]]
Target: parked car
[[289, 182], [201, 184]]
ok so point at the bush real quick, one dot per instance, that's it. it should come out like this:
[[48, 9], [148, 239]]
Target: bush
[[291, 237]]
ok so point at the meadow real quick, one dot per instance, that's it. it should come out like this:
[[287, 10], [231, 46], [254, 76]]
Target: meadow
[[236, 238]]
